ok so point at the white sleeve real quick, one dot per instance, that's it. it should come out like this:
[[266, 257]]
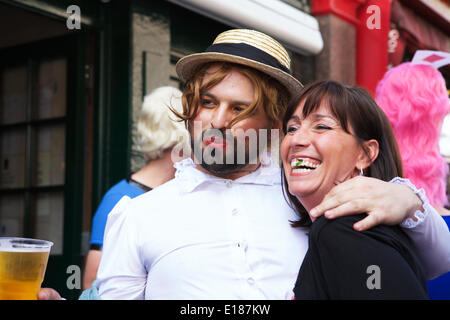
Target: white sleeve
[[430, 235], [121, 274]]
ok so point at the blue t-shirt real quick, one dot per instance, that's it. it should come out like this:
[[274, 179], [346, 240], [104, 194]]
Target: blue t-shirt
[[110, 199], [439, 288]]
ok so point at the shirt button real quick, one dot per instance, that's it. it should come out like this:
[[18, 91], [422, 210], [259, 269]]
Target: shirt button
[[234, 211], [251, 281]]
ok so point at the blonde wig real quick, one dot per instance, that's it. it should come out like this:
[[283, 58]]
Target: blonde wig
[[158, 128]]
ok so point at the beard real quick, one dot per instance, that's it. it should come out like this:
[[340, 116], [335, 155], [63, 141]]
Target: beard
[[238, 153]]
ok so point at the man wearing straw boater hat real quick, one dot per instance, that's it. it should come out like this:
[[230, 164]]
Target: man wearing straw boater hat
[[220, 229]]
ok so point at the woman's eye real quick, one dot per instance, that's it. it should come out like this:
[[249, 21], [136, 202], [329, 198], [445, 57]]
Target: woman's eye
[[291, 129], [323, 127]]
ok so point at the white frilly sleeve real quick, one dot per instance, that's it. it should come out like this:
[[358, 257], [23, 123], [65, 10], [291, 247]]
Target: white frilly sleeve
[[121, 275], [429, 233]]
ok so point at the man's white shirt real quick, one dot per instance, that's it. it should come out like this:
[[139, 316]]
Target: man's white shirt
[[202, 237]]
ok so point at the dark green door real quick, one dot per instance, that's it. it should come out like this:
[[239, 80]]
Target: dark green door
[[41, 150]]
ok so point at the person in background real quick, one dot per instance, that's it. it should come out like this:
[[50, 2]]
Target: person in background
[[414, 98], [158, 133], [334, 132]]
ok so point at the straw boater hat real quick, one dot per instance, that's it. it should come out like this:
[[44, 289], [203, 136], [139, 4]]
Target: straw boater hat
[[247, 47]]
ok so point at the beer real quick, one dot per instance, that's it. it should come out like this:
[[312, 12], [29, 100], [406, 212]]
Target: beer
[[22, 267]]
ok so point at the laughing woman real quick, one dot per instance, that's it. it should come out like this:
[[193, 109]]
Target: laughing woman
[[334, 132]]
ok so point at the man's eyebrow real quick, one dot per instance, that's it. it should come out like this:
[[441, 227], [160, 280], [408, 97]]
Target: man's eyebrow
[[236, 102], [208, 95]]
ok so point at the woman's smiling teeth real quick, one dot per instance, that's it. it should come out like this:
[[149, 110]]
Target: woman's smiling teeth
[[302, 165]]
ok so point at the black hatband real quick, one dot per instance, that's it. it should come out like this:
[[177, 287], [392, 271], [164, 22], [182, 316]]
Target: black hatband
[[249, 52]]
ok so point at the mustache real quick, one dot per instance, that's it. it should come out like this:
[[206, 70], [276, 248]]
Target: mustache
[[224, 134]]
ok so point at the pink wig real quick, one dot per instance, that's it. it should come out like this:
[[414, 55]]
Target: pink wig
[[414, 98]]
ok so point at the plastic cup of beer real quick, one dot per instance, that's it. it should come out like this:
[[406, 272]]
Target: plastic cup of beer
[[22, 267]]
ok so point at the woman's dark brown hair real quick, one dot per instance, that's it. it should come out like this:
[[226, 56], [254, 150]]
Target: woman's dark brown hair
[[354, 108]]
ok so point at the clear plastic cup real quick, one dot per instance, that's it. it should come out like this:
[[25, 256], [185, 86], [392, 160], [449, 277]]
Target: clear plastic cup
[[22, 267]]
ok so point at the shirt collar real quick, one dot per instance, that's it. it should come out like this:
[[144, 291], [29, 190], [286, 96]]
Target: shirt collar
[[190, 177]]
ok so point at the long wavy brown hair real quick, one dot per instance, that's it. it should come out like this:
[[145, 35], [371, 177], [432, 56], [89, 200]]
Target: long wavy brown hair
[[269, 93]]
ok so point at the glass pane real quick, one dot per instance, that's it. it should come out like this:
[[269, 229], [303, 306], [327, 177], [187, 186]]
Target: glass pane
[[13, 101], [51, 89], [50, 155], [12, 157], [12, 208], [49, 217]]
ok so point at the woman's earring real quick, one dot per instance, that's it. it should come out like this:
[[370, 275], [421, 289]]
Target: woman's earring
[[361, 173]]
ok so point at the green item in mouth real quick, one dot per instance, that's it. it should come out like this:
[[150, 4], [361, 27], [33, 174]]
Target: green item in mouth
[[299, 162]]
